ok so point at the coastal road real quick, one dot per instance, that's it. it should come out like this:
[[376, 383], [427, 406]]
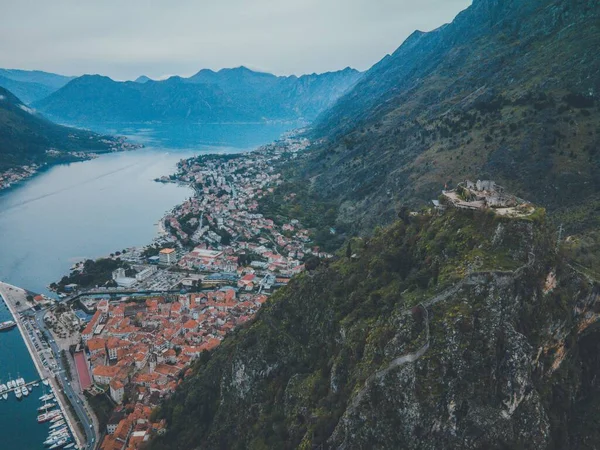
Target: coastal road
[[76, 402]]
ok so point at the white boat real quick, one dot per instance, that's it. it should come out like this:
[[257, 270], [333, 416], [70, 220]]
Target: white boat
[[71, 445], [58, 434], [20, 381], [24, 391], [3, 390], [53, 416], [45, 381], [30, 387], [57, 424], [10, 384], [60, 443], [47, 397], [46, 406], [18, 393], [59, 430], [57, 417]]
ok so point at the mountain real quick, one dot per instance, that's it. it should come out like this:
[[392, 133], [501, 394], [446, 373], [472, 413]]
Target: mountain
[[31, 85], [229, 95], [26, 137], [456, 331], [507, 91], [442, 330], [142, 79]]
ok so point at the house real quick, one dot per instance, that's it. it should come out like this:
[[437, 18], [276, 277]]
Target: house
[[117, 390]]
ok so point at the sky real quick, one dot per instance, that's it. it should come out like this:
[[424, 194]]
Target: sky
[[127, 38]]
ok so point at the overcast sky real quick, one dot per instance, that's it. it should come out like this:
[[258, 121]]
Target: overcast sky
[[127, 38]]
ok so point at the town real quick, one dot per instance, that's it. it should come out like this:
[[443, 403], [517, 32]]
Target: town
[[216, 260]]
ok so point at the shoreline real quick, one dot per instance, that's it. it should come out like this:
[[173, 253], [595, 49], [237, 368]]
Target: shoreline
[[36, 362]]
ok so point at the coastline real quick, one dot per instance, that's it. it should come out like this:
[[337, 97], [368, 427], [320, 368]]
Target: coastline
[[35, 358]]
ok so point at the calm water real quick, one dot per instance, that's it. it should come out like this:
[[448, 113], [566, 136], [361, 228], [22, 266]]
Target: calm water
[[87, 210]]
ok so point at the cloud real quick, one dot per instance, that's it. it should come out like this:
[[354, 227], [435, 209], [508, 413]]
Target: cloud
[[124, 39]]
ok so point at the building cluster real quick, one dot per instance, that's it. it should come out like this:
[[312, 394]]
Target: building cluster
[[222, 221], [139, 350], [16, 174]]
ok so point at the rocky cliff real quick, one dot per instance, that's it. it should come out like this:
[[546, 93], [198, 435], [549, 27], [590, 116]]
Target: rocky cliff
[[463, 330]]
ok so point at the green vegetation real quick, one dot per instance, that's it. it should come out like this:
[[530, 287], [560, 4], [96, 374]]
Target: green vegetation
[[294, 377], [94, 273], [102, 406], [25, 137], [295, 200]]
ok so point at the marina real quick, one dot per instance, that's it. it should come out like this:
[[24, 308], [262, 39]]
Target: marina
[[48, 411]]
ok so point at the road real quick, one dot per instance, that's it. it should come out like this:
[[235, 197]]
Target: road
[[76, 402]]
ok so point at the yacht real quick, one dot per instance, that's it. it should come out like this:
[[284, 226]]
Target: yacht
[[55, 425], [49, 416], [24, 391], [10, 384], [7, 325], [57, 417], [18, 392], [56, 441], [3, 390], [45, 381], [58, 434], [46, 406], [47, 397], [71, 445], [59, 430], [20, 381]]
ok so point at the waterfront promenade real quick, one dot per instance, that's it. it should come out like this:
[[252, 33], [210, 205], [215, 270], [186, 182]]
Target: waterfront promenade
[[16, 301]]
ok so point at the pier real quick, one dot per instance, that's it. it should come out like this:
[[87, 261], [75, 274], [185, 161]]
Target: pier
[[31, 383]]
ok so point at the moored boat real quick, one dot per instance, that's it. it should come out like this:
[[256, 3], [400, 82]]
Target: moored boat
[[57, 417], [46, 406], [24, 391], [7, 325], [51, 415], [57, 424], [60, 443]]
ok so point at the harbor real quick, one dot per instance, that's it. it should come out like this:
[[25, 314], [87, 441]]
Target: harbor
[[14, 300]]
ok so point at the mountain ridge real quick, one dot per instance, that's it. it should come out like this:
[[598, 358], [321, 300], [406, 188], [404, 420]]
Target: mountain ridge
[[237, 94]]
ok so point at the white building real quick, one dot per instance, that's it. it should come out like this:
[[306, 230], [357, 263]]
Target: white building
[[168, 256]]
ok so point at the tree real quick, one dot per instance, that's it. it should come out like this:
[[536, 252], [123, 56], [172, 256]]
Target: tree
[[312, 263]]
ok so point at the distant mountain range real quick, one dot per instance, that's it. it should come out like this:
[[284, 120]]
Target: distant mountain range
[[31, 85], [26, 137], [229, 95]]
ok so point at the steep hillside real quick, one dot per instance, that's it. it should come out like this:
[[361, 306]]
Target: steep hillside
[[230, 95], [31, 85], [507, 91], [26, 137], [459, 331]]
